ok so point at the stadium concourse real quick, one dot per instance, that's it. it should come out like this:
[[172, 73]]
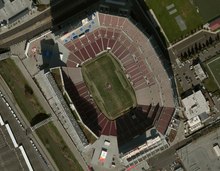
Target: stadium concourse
[[141, 65]]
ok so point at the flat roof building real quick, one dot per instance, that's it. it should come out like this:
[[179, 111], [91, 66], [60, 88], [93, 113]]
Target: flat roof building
[[216, 150], [200, 72], [195, 105], [194, 124]]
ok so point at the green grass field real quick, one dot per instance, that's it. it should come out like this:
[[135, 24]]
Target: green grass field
[[108, 85], [214, 68], [16, 81], [208, 11], [184, 8], [48, 134]]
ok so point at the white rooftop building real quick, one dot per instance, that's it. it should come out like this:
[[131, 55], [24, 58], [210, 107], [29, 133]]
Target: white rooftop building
[[194, 124], [195, 105], [199, 72]]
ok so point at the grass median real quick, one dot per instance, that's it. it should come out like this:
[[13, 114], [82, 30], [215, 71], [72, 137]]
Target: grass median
[[58, 149], [28, 103]]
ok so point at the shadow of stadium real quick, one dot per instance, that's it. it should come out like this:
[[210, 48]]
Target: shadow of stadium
[[85, 108]]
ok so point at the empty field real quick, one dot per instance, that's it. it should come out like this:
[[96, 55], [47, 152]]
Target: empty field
[[167, 10], [108, 85]]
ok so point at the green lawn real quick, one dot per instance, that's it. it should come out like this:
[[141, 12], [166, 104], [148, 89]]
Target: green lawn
[[16, 81], [214, 67], [208, 11], [210, 83], [58, 149], [108, 85], [30, 107], [184, 8]]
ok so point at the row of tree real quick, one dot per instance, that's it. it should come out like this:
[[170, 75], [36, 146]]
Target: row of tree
[[197, 47]]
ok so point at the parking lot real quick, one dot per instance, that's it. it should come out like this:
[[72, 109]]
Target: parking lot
[[11, 157], [199, 155], [185, 75], [184, 71]]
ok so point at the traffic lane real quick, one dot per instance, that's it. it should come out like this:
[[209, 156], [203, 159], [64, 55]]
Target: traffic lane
[[27, 36]]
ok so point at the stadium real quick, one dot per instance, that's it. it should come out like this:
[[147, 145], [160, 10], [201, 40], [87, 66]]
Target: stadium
[[115, 78]]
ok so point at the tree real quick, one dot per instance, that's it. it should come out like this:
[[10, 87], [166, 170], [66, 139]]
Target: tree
[[196, 48], [210, 40], [188, 52], [28, 90], [200, 46], [192, 51]]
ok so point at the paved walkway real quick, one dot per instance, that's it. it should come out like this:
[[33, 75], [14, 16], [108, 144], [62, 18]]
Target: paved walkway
[[48, 109]]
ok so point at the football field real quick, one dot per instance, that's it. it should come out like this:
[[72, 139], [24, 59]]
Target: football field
[[214, 68], [108, 86]]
